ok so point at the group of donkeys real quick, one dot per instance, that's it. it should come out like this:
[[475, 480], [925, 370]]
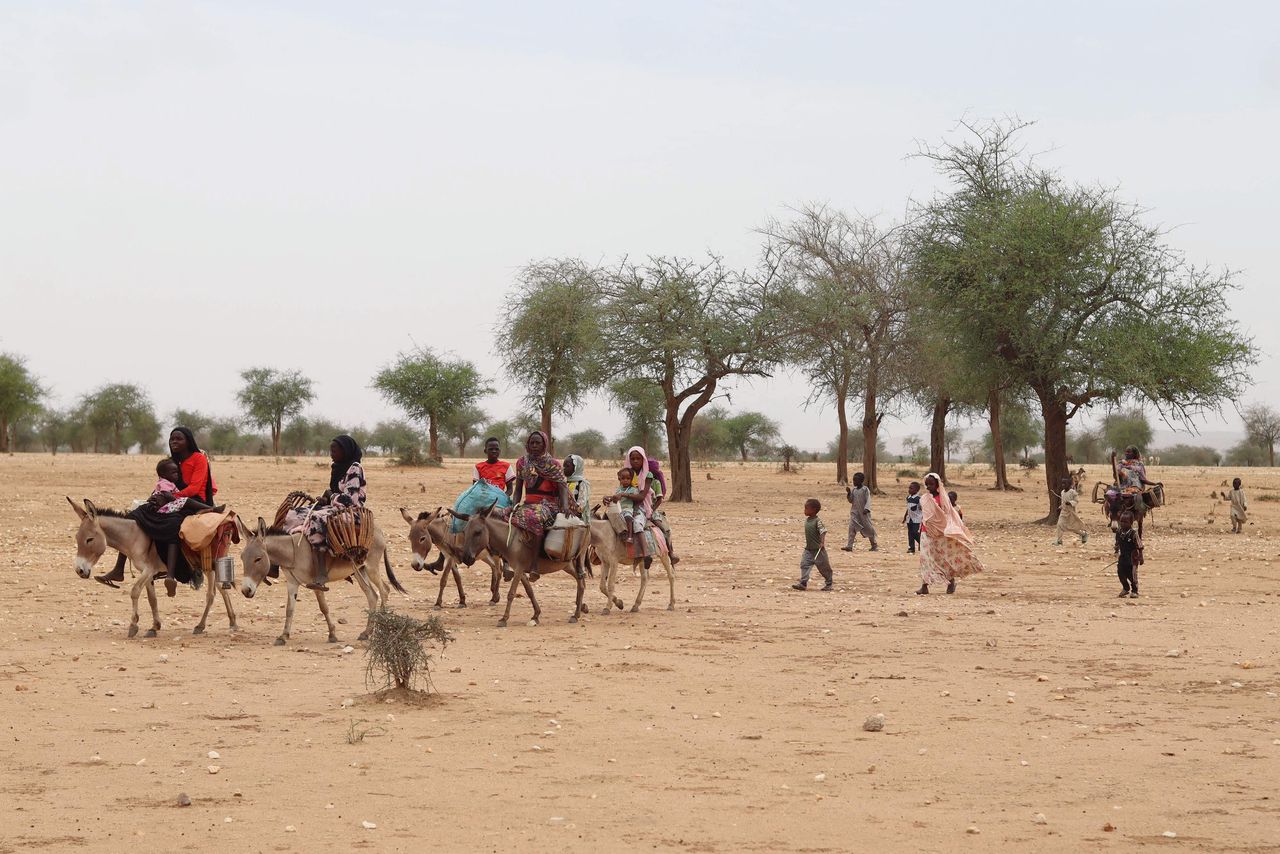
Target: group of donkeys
[[271, 552]]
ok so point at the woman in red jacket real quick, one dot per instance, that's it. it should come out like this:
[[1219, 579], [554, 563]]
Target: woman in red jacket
[[197, 482]]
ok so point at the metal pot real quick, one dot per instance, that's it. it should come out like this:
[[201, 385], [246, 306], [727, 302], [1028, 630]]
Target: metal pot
[[224, 570]]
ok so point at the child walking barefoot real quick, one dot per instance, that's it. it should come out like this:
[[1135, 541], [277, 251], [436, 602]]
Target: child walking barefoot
[[815, 548], [1068, 515], [913, 517], [1239, 507], [1128, 556]]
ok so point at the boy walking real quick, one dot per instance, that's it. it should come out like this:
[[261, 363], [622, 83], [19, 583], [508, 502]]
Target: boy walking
[[1128, 556], [815, 547], [860, 513], [1239, 507], [913, 517]]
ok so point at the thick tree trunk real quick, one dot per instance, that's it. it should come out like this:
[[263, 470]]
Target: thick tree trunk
[[545, 426], [742, 449], [678, 449], [116, 440], [870, 431], [997, 444], [938, 437], [1054, 413], [4, 435], [275, 438], [842, 441], [433, 437]]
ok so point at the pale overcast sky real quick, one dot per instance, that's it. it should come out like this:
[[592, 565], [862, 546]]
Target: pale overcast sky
[[190, 189]]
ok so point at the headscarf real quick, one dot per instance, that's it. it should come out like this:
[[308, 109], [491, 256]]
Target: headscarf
[[636, 449], [579, 486], [192, 447], [940, 516], [545, 466], [656, 468], [192, 450], [351, 453]]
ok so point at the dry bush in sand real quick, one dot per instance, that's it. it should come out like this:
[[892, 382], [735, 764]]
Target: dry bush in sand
[[396, 657]]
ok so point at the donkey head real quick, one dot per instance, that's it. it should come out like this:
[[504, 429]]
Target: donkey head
[[254, 558], [420, 536], [91, 542], [475, 536]]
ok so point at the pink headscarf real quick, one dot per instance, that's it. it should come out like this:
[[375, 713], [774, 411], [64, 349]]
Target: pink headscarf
[[940, 516], [640, 476]]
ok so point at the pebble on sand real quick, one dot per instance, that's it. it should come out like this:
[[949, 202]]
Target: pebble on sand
[[873, 723], [1173, 653], [1169, 834], [368, 825], [184, 800], [818, 778], [1039, 818], [971, 829], [214, 769], [213, 754], [289, 828]]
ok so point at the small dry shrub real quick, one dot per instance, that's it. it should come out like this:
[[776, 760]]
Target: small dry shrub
[[395, 656]]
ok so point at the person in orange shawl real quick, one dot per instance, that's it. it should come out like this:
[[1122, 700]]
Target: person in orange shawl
[[947, 551]]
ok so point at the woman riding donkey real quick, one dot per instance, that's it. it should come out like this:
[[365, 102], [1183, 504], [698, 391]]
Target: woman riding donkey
[[346, 489], [541, 490], [644, 485], [161, 516]]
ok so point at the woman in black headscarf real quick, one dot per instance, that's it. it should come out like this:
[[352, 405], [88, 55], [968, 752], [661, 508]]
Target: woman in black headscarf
[[195, 484], [346, 489]]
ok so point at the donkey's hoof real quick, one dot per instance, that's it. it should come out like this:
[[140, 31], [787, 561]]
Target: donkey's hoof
[[608, 609], [437, 607], [150, 633], [133, 631], [462, 604], [494, 601], [574, 618], [671, 607], [363, 635], [584, 607], [199, 630], [532, 622], [619, 604], [502, 624], [279, 641], [635, 609], [333, 638]]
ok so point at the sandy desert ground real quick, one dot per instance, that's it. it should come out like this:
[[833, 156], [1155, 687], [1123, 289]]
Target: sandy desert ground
[[1033, 710]]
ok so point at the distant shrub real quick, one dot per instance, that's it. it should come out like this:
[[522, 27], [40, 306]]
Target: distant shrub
[[908, 473], [395, 657]]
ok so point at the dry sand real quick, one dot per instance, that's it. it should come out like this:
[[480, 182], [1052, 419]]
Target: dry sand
[[732, 724]]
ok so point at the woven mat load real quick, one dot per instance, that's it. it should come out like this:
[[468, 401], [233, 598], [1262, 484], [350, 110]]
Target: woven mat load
[[350, 533], [206, 537], [292, 501]]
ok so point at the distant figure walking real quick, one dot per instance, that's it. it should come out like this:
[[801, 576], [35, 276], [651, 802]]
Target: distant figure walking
[[1068, 514], [947, 551], [815, 548], [1239, 507], [913, 517], [860, 513]]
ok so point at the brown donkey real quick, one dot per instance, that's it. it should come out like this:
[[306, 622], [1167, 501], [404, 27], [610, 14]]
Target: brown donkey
[[433, 528], [485, 532], [102, 529]]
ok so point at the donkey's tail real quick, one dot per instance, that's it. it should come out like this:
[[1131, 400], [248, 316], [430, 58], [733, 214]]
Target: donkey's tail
[[391, 576]]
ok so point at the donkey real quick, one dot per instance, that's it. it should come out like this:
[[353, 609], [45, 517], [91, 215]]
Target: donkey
[[611, 549], [101, 529], [266, 547], [433, 528], [485, 532]]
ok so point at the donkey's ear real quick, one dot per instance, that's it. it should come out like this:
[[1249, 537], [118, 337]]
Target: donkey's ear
[[262, 527], [489, 509], [408, 517], [80, 511], [465, 517], [243, 529], [90, 508]]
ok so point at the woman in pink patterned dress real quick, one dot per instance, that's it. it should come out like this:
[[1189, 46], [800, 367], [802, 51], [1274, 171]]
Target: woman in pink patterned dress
[[947, 551]]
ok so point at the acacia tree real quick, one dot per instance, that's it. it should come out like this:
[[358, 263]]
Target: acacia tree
[[464, 424], [1078, 298], [848, 313], [643, 407], [20, 394], [431, 388], [751, 431], [123, 414], [552, 323], [687, 327], [1262, 426], [269, 396], [1127, 427]]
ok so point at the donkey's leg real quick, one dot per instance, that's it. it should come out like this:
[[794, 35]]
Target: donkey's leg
[[208, 603], [292, 601], [516, 577], [644, 582], [231, 612], [671, 580], [457, 579], [324, 609], [134, 592], [533, 600], [494, 575], [581, 578], [371, 595], [155, 612], [444, 580]]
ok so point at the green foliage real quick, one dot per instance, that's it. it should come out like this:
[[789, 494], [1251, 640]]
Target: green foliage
[[1124, 428], [120, 415], [915, 450], [463, 425], [751, 433], [1262, 427], [686, 327], [1020, 432], [552, 324], [1247, 453], [430, 388], [54, 426], [395, 656], [270, 396], [643, 406], [709, 439], [395, 437], [20, 394], [588, 444], [195, 421], [1190, 455], [1087, 447], [855, 447]]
